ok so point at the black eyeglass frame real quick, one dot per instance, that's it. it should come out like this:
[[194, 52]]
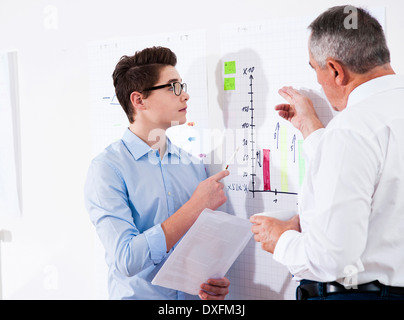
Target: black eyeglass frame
[[183, 87]]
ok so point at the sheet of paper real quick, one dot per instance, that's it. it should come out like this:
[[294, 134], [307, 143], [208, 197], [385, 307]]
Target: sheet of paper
[[207, 251], [283, 215]]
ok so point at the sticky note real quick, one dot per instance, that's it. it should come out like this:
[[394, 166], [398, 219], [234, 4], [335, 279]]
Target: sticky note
[[230, 67], [229, 84]]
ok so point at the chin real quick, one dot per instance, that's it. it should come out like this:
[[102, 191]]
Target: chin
[[182, 120], [335, 108], [339, 108], [177, 122]]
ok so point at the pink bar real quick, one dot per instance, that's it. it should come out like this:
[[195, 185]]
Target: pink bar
[[265, 169]]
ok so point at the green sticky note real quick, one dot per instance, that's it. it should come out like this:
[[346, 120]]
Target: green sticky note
[[230, 67], [229, 83]]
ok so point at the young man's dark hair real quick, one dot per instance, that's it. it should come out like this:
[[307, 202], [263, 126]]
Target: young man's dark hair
[[138, 72]]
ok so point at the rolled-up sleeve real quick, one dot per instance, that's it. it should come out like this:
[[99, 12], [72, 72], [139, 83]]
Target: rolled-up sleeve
[[156, 240]]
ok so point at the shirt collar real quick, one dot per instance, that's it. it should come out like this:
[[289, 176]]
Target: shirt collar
[[375, 86], [138, 148], [172, 148]]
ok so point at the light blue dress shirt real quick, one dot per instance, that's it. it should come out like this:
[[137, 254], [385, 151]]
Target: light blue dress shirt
[[129, 192]]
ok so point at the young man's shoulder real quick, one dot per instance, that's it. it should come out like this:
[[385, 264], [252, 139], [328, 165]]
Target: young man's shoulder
[[115, 155]]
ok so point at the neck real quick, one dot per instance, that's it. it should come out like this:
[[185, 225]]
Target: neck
[[377, 72], [153, 137], [358, 79]]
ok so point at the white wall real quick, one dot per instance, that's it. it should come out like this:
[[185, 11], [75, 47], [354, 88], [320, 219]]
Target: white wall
[[51, 255]]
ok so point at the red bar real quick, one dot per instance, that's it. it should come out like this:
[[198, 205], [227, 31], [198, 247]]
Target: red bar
[[265, 169]]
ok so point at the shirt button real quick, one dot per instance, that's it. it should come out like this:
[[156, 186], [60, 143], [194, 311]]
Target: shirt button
[[169, 193]]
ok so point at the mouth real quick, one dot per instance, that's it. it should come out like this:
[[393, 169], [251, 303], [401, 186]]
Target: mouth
[[183, 109]]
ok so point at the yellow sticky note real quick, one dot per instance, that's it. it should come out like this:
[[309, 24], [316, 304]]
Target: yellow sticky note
[[229, 84]]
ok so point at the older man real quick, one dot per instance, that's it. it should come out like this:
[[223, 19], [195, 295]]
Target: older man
[[348, 240]]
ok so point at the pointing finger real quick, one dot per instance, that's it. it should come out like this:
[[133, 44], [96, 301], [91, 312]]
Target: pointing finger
[[220, 175]]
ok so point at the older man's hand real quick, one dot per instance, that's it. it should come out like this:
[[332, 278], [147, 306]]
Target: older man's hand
[[268, 230]]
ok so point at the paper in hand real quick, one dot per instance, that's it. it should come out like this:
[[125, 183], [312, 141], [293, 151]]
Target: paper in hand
[[207, 251], [283, 215]]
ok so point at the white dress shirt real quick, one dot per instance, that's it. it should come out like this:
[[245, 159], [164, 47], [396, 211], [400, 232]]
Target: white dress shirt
[[352, 200]]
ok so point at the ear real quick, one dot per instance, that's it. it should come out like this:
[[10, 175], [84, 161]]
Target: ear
[[136, 98], [338, 72]]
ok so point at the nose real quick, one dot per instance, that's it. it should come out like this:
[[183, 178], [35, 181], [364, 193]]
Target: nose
[[184, 96]]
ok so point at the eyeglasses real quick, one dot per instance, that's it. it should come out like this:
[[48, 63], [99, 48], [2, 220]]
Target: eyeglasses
[[177, 87]]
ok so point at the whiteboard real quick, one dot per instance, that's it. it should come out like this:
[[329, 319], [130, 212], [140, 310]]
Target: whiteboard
[[10, 160]]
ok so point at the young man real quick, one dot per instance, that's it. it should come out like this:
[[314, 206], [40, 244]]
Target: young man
[[143, 193]]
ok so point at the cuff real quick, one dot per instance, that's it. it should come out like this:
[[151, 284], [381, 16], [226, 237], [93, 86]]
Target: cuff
[[156, 240], [281, 249]]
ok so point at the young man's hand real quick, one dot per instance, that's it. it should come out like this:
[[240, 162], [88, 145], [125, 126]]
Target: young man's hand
[[209, 193], [215, 289]]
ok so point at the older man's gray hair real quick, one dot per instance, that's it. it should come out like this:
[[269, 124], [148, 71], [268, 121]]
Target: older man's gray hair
[[351, 36]]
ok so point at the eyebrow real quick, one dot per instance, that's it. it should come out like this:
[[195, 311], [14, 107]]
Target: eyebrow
[[174, 80]]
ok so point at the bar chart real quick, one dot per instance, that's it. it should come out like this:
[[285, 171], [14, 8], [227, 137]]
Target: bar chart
[[261, 158]]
